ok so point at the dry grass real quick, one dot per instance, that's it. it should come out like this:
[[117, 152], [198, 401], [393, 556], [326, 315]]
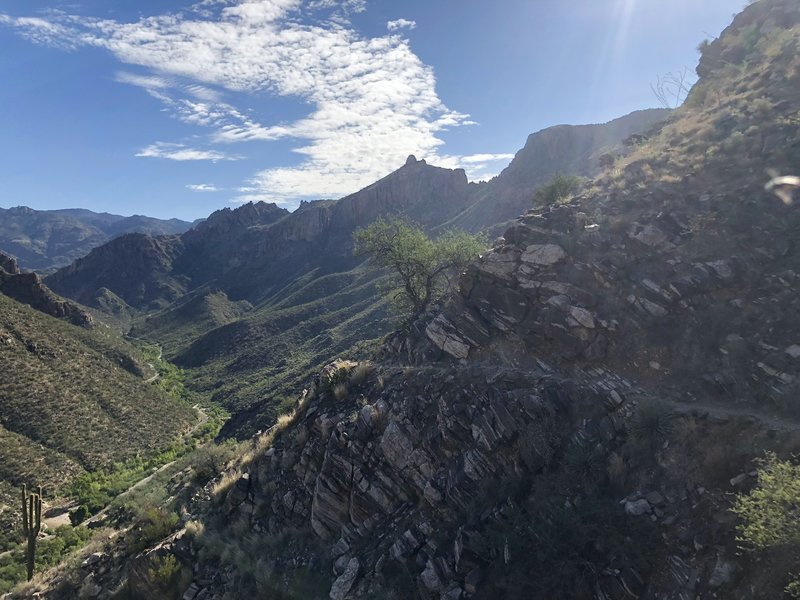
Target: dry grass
[[259, 445], [360, 373], [340, 391]]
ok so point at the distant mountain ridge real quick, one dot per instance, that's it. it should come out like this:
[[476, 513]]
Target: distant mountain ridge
[[43, 240]]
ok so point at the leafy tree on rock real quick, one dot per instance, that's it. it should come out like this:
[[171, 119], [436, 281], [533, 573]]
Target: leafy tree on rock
[[422, 265]]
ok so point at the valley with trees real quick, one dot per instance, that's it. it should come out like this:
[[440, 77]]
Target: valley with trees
[[577, 379]]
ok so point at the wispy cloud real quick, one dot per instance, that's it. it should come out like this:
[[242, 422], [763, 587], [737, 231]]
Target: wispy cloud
[[398, 24], [202, 187], [372, 100], [180, 152], [473, 159], [479, 167]]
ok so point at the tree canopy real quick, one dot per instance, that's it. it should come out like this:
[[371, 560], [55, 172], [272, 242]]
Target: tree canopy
[[422, 265]]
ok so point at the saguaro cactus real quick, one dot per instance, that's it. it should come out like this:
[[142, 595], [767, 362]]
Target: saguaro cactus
[[31, 523]]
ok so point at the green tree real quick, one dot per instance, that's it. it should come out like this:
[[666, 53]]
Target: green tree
[[422, 265], [770, 513], [558, 189]]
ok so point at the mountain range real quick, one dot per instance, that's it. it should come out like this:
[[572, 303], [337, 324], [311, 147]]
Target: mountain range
[[43, 240]]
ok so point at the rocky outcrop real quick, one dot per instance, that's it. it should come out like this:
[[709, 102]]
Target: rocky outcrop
[[27, 288], [387, 483], [643, 301], [9, 264]]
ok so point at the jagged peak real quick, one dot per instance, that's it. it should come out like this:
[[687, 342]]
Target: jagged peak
[[251, 213]]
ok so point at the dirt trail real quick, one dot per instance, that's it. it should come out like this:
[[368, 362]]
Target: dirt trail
[[152, 366], [776, 422], [769, 420], [201, 421]]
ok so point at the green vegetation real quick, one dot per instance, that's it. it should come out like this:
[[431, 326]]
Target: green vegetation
[[421, 265], [770, 513], [190, 318], [76, 401], [152, 526], [165, 573], [77, 394], [52, 549], [559, 189], [94, 491]]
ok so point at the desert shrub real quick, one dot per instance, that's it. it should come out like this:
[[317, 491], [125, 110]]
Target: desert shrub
[[153, 526], [652, 423], [585, 464], [79, 515], [164, 571], [770, 513], [360, 373], [209, 461], [793, 589], [559, 189], [422, 266], [606, 160]]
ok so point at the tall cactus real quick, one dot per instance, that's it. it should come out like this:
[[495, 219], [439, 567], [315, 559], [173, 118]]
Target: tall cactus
[[31, 523]]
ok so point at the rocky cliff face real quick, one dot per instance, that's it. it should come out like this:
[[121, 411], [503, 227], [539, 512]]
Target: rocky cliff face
[[9, 264], [565, 149], [27, 288], [417, 473]]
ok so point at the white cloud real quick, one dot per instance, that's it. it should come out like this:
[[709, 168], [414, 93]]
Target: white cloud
[[484, 158], [202, 187], [479, 167], [147, 82], [401, 24], [372, 100], [181, 152]]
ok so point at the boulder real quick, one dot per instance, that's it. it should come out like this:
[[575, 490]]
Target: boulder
[[637, 508], [543, 255], [344, 583]]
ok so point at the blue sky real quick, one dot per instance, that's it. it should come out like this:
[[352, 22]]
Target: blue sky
[[175, 109]]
